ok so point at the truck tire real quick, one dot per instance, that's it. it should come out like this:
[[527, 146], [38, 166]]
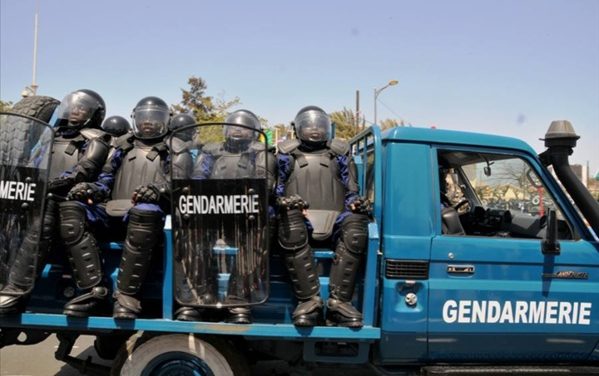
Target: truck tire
[[37, 106], [180, 354]]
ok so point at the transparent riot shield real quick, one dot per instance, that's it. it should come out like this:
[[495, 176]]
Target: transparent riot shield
[[220, 217], [25, 150]]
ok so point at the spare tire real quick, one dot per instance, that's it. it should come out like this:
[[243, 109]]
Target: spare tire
[[37, 106]]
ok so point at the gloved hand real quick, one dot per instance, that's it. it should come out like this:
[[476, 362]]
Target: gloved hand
[[361, 205], [292, 202], [149, 194], [88, 193], [60, 186]]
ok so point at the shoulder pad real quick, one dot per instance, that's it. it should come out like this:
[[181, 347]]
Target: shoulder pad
[[259, 146], [125, 141], [177, 145], [90, 133], [288, 146], [339, 147], [213, 148]]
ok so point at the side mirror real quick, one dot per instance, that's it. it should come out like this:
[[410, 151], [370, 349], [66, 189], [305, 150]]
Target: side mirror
[[550, 245]]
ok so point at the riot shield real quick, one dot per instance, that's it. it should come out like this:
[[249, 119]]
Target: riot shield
[[25, 151], [220, 218]]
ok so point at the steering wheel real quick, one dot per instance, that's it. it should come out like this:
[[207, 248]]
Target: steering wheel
[[461, 203]]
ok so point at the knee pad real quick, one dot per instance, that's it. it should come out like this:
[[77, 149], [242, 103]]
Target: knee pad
[[72, 222], [293, 234], [144, 228], [354, 233]]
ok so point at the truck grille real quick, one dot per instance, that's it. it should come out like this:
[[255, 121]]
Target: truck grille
[[404, 269]]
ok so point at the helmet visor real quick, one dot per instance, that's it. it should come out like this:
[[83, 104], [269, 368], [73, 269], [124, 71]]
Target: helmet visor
[[150, 122], [76, 109], [313, 126]]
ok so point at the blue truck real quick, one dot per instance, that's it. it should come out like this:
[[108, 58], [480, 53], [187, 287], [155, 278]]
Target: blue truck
[[460, 276]]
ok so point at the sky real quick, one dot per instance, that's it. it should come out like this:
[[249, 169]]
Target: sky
[[506, 67]]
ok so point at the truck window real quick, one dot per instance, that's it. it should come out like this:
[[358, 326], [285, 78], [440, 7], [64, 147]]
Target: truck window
[[497, 195]]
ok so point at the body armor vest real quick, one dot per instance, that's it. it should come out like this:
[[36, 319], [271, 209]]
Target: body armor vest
[[229, 165], [66, 151], [65, 154], [140, 166], [315, 177]]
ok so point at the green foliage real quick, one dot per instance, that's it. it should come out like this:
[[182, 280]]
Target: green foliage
[[5, 106], [347, 124], [205, 108]]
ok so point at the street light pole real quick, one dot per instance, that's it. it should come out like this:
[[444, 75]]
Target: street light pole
[[32, 89], [378, 91]]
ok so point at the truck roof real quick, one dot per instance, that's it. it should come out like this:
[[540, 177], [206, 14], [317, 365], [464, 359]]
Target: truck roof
[[442, 136]]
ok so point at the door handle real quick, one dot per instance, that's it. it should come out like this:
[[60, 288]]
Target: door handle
[[460, 269]]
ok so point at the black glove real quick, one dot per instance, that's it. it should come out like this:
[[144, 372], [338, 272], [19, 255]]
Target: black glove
[[292, 202], [149, 194], [88, 193], [60, 186], [361, 205]]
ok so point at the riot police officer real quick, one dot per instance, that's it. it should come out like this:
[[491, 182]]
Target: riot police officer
[[116, 126], [317, 170], [79, 151], [137, 174], [240, 156]]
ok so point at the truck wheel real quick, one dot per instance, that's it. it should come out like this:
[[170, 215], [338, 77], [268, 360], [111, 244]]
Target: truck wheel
[[180, 354], [37, 106]]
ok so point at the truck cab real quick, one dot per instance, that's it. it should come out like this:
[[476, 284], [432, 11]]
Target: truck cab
[[465, 276]]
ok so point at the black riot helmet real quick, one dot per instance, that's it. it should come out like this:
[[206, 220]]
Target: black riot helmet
[[313, 126], [238, 137], [81, 108], [150, 118], [180, 121], [116, 125]]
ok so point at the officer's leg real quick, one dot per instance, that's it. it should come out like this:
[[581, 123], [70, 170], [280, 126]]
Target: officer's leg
[[143, 234], [348, 253], [84, 256], [293, 239], [33, 251], [237, 292], [199, 272]]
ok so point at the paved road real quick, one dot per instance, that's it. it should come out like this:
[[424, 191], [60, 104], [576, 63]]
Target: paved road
[[38, 360]]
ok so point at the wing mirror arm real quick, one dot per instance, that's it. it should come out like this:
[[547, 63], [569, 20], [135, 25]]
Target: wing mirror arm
[[550, 244]]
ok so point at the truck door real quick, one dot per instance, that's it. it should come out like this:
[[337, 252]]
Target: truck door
[[493, 294]]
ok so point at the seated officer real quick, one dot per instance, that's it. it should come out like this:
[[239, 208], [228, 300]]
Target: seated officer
[[235, 158], [137, 180], [318, 170]]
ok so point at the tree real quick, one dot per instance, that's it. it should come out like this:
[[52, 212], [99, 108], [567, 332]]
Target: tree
[[347, 125], [5, 106], [205, 109]]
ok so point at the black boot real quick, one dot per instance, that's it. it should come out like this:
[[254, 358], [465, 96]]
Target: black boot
[[20, 278], [143, 233], [239, 315], [84, 257], [305, 283], [186, 313], [238, 292], [92, 302], [28, 263], [342, 280]]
